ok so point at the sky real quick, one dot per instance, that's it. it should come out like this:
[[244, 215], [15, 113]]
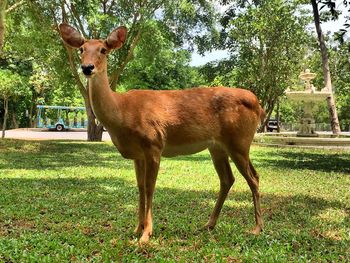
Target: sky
[[332, 26]]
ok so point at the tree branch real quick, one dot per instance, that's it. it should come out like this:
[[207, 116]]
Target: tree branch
[[111, 6], [2, 24], [104, 6], [117, 72], [72, 65], [78, 81], [77, 21], [14, 6], [115, 76], [322, 45]]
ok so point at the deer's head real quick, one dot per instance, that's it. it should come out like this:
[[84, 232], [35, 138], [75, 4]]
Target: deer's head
[[94, 51]]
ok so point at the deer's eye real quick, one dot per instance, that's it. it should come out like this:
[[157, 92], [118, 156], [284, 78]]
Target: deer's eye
[[81, 50], [103, 51]]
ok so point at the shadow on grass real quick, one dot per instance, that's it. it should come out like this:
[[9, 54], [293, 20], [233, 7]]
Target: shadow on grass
[[46, 155], [305, 160], [324, 161], [54, 155], [109, 204]]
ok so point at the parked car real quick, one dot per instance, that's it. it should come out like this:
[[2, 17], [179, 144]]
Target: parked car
[[272, 125]]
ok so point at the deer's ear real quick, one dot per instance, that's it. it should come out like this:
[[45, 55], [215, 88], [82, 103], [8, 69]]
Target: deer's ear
[[71, 36], [117, 38]]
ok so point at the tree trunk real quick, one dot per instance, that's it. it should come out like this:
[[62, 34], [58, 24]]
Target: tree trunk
[[326, 72], [3, 4], [14, 120], [278, 115], [30, 116], [94, 130], [333, 115], [268, 107], [6, 106]]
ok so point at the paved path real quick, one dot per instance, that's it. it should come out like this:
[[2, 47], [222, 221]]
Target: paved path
[[80, 134], [40, 134]]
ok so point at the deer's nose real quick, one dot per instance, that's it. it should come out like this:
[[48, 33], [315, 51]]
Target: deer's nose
[[87, 69]]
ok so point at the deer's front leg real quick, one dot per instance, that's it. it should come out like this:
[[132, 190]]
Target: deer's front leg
[[152, 161], [140, 171]]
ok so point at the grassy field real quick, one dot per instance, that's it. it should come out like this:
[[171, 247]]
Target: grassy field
[[77, 202]]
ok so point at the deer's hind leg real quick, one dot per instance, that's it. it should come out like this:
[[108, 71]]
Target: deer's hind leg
[[246, 168], [223, 169]]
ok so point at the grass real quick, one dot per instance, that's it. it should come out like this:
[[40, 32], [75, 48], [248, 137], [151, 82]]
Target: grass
[[77, 202]]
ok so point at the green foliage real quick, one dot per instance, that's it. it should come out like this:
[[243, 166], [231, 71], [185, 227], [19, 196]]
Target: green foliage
[[265, 40], [13, 90], [179, 21], [34, 51], [269, 41], [290, 111], [219, 72], [36, 22], [159, 65], [11, 85], [77, 202], [3, 5], [340, 70]]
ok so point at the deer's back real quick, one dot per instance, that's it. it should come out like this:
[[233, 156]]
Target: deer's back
[[193, 118]]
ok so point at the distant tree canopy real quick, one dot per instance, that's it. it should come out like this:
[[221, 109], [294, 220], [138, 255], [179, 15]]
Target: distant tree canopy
[[267, 42], [12, 89], [174, 24], [158, 64]]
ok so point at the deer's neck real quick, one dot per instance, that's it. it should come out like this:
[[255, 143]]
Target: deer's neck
[[103, 100]]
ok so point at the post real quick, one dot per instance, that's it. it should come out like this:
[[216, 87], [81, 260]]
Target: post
[[6, 105], [278, 115]]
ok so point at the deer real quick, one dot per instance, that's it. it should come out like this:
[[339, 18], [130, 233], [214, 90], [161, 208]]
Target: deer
[[145, 125]]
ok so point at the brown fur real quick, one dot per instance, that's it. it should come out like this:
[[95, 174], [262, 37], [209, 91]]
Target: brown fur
[[145, 125]]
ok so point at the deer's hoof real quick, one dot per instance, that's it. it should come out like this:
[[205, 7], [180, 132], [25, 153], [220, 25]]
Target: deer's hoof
[[208, 227], [144, 239], [256, 230], [138, 230]]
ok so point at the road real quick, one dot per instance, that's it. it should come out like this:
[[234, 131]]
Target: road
[[42, 134]]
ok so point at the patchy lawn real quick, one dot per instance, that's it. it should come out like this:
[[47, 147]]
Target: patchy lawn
[[67, 201]]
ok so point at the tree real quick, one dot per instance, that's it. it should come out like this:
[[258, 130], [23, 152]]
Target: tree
[[3, 10], [20, 48], [340, 67], [326, 72], [267, 39], [23, 68], [179, 20], [11, 87], [332, 7]]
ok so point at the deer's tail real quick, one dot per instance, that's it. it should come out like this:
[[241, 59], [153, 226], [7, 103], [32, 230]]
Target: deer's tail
[[262, 115]]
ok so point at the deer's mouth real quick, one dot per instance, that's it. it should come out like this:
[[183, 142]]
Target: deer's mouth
[[88, 69], [88, 75]]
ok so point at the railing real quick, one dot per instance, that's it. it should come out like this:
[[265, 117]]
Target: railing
[[295, 127]]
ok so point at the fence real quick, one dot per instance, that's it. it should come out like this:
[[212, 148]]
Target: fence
[[295, 127]]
